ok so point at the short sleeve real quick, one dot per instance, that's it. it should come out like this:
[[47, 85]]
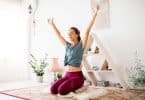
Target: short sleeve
[[67, 44]]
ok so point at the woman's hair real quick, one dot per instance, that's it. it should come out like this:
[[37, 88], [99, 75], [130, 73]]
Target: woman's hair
[[77, 31]]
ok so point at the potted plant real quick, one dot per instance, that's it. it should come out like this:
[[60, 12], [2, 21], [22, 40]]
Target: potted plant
[[136, 74], [58, 75], [38, 66]]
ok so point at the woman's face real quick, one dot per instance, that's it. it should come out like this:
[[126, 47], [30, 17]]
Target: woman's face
[[72, 35]]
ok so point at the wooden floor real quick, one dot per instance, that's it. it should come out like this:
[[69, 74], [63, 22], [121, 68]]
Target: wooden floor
[[6, 97], [21, 84]]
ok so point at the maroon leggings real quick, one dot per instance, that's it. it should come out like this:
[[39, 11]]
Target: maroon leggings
[[70, 82]]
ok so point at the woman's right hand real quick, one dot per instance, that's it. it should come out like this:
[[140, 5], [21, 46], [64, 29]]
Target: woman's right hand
[[50, 21], [61, 38]]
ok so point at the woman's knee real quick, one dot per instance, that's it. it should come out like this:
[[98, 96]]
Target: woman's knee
[[55, 85], [53, 89], [70, 86], [64, 88], [61, 91]]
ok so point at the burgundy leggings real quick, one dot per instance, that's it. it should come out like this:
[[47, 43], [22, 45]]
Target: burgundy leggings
[[70, 82]]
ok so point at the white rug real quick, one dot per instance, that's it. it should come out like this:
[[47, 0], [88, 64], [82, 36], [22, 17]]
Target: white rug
[[89, 94]]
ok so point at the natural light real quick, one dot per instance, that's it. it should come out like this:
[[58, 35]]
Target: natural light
[[12, 33], [13, 37]]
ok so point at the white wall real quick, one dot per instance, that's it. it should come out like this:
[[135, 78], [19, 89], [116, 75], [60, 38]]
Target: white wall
[[126, 33], [66, 13]]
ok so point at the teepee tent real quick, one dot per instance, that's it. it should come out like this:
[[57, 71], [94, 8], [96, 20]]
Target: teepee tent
[[121, 34]]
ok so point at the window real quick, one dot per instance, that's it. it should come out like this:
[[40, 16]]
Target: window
[[13, 41]]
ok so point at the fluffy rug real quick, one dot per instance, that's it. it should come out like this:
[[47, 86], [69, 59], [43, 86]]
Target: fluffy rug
[[91, 93], [42, 93], [120, 94], [88, 94]]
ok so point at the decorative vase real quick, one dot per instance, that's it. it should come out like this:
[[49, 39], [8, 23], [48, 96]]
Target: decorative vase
[[39, 79]]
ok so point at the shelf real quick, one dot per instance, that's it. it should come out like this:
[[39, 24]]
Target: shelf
[[101, 71], [90, 54], [90, 70]]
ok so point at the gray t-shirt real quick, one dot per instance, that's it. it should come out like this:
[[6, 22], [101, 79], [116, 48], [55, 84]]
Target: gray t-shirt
[[73, 54]]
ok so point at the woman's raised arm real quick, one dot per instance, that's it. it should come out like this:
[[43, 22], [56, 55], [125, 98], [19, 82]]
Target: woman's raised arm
[[86, 35], [61, 38]]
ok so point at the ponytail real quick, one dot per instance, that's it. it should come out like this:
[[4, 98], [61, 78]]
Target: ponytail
[[79, 38]]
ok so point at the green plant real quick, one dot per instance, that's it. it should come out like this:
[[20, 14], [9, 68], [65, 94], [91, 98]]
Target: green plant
[[38, 65], [58, 75], [136, 73]]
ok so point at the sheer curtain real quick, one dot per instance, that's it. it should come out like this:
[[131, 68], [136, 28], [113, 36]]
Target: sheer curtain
[[13, 42]]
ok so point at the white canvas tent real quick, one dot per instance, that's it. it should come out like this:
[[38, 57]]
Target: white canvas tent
[[115, 68]]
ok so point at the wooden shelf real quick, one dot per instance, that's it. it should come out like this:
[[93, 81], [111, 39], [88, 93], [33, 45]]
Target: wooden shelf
[[90, 54], [90, 70], [101, 71]]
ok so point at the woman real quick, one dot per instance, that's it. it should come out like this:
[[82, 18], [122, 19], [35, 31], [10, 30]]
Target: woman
[[73, 78]]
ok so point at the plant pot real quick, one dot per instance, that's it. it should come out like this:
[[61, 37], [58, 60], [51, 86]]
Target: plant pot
[[39, 79]]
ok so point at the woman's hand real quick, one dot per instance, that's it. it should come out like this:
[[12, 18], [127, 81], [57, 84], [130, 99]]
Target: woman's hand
[[96, 9], [50, 21]]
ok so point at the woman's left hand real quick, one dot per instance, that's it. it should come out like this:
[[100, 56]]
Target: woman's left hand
[[96, 9]]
